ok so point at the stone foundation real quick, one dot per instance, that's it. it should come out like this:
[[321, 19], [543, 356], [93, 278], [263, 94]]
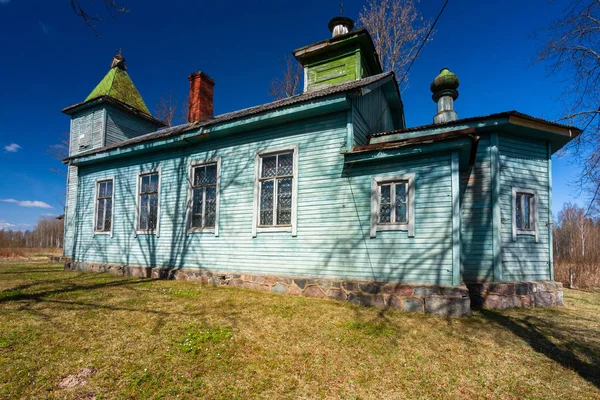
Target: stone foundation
[[439, 300], [502, 295]]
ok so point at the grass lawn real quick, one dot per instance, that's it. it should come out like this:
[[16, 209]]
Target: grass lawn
[[83, 335]]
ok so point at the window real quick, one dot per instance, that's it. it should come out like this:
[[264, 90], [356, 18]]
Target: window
[[148, 198], [204, 196], [276, 188], [524, 215], [85, 131], [392, 204], [104, 206]]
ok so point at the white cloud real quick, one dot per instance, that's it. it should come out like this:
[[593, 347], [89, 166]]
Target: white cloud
[[6, 225], [13, 147], [27, 203]]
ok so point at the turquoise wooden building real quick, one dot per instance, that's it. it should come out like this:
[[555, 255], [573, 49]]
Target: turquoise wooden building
[[324, 194]]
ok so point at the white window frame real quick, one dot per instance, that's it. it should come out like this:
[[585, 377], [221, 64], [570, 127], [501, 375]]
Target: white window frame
[[408, 226], [257, 172], [533, 212], [201, 163], [137, 204], [96, 194]]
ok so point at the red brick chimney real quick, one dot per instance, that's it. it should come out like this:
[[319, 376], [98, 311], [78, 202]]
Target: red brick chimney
[[201, 97]]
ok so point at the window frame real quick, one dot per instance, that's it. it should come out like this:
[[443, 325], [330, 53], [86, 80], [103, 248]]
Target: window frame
[[258, 155], [96, 194], [533, 212], [138, 203], [376, 184], [199, 163]]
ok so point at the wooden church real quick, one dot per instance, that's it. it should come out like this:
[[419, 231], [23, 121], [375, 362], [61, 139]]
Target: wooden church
[[325, 194]]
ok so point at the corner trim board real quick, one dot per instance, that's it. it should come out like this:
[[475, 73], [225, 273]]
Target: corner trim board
[[496, 213]]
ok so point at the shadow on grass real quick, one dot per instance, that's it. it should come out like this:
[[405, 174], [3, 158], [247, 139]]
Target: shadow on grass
[[18, 294], [34, 271], [537, 332]]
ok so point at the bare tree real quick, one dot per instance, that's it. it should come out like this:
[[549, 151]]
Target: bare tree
[[572, 50], [291, 81], [81, 11], [59, 152], [398, 30], [166, 109]]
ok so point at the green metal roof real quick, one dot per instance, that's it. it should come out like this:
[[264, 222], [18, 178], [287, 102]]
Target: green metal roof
[[118, 85]]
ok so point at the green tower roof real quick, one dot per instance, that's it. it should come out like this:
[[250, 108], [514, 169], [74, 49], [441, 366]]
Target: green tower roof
[[118, 85]]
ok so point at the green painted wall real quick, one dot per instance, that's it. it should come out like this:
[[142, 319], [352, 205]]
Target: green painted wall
[[524, 164], [341, 69], [333, 212], [476, 212]]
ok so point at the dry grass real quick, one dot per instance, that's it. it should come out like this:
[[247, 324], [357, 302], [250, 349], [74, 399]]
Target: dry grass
[[29, 252], [79, 335], [586, 275]]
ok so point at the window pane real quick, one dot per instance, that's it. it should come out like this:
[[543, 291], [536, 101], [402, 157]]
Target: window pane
[[109, 188], [385, 194], [100, 213], [285, 164], [108, 215], [197, 221], [199, 175], [401, 212], [518, 211], [102, 189], [385, 213], [211, 207], [269, 166], [401, 193], [284, 201], [211, 175], [266, 203], [154, 182], [153, 216], [197, 202], [527, 211], [145, 184], [144, 212]]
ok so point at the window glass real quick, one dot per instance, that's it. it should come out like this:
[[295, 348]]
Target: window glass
[[276, 187], [148, 202], [204, 196], [103, 217]]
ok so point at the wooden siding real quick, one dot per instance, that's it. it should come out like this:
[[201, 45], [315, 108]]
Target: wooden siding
[[333, 212], [121, 126], [372, 115], [70, 210], [476, 212], [332, 72], [94, 117], [524, 164]]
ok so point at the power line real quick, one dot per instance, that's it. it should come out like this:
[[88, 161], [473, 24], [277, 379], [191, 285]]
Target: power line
[[424, 41]]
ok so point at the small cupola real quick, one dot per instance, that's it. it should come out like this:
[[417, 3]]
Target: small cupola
[[348, 55], [113, 112], [340, 26], [444, 88], [118, 62]]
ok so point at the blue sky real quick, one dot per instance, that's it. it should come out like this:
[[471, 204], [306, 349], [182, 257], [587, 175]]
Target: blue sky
[[51, 60]]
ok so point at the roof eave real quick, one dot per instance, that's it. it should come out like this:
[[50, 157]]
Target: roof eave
[[101, 99], [511, 122], [465, 141]]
